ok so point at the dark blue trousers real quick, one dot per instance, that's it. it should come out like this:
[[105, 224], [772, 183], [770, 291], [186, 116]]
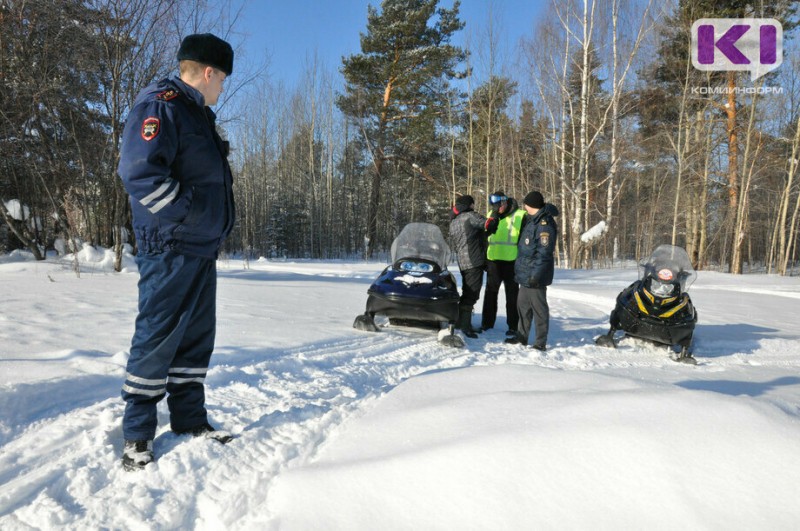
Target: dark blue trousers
[[533, 309], [172, 343]]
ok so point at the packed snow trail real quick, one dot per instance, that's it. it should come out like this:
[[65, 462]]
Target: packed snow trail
[[280, 409]]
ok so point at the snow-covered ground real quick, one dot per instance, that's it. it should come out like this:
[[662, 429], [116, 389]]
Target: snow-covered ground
[[342, 429]]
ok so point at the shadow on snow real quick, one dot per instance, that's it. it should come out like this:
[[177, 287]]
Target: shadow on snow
[[737, 388]]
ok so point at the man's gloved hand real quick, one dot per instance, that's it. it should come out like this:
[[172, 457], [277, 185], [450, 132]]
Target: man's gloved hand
[[533, 282], [491, 225]]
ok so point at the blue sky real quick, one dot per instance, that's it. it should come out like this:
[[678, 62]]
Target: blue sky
[[292, 31]]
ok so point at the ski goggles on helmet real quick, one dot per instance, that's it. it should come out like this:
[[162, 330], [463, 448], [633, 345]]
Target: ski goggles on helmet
[[496, 198], [661, 289]]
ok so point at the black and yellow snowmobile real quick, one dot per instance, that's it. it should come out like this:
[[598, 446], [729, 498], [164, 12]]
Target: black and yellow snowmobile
[[656, 307]]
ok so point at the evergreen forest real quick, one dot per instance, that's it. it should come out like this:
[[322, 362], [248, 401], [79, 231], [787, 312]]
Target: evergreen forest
[[600, 108]]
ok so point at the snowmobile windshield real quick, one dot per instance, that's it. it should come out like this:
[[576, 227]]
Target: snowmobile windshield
[[422, 241], [667, 266]]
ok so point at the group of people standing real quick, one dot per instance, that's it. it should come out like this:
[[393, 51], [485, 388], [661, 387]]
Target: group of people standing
[[515, 247]]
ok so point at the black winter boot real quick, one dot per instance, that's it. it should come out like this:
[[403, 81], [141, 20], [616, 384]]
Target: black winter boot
[[208, 431], [464, 322], [136, 455]]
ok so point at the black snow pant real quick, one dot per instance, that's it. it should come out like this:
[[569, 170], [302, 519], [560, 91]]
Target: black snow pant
[[500, 272], [471, 284], [532, 305]]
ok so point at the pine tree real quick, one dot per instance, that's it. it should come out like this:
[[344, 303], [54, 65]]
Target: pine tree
[[396, 88]]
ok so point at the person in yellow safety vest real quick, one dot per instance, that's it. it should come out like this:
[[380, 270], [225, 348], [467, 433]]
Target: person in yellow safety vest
[[504, 226]]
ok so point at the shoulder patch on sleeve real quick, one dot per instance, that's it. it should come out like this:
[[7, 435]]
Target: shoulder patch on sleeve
[[167, 95], [150, 128], [544, 239]]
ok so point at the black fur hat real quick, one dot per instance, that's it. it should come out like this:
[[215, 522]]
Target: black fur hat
[[464, 202], [207, 49]]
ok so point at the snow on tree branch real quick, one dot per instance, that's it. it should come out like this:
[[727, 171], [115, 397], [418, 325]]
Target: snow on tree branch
[[594, 233]]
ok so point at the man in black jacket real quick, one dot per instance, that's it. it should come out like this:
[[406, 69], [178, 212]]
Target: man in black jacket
[[533, 269], [467, 236]]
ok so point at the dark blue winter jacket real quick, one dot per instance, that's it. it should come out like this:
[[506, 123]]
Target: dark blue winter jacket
[[537, 243], [174, 166]]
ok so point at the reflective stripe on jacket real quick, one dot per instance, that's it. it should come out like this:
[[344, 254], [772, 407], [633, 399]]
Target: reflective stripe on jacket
[[503, 243]]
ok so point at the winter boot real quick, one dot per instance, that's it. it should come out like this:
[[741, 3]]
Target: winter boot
[[464, 322], [208, 431], [137, 454]]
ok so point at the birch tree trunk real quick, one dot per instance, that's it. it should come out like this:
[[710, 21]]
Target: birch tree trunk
[[680, 146], [740, 225], [703, 206], [566, 192], [612, 171], [784, 251], [582, 186], [791, 246]]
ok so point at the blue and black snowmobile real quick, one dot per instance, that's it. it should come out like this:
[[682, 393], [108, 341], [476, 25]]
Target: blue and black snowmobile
[[416, 289], [656, 307]]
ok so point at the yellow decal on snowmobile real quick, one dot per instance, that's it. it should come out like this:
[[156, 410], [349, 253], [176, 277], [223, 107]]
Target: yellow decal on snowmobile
[[649, 295], [640, 303], [670, 313]]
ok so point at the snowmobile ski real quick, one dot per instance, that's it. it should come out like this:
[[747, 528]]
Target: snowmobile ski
[[365, 322], [451, 337], [685, 356]]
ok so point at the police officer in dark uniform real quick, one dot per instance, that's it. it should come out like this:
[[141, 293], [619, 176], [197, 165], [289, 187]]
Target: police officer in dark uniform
[[174, 165], [533, 269]]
